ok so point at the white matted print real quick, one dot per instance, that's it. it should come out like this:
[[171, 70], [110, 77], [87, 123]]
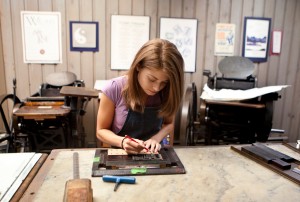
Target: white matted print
[[41, 34], [183, 33], [128, 34]]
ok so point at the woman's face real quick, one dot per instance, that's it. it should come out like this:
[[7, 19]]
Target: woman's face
[[152, 80]]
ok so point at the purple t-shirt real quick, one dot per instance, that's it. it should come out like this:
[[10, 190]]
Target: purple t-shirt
[[113, 90]]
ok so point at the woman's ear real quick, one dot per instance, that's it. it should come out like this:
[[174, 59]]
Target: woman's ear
[[138, 68]]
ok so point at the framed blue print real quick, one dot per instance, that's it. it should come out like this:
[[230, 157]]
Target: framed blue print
[[84, 36], [256, 38]]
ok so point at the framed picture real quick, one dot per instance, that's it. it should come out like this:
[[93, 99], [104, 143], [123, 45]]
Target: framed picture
[[84, 36], [224, 39], [256, 38], [128, 34], [41, 35], [183, 33]]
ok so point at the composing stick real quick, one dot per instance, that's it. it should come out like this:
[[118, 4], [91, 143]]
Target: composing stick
[[266, 156], [274, 152]]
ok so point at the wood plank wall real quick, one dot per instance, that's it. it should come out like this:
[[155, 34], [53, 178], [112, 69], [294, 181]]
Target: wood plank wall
[[278, 70]]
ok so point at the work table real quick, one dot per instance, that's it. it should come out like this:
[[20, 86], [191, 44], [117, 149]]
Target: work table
[[213, 173]]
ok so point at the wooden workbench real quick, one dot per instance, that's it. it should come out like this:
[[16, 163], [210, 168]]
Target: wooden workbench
[[213, 173]]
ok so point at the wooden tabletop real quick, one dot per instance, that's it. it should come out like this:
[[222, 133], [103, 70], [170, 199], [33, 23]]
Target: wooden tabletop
[[42, 112], [213, 173], [79, 92]]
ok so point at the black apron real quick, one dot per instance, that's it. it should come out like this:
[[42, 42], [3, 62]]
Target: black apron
[[142, 125]]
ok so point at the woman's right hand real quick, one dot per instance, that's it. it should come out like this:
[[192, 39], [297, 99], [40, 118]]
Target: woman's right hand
[[132, 147]]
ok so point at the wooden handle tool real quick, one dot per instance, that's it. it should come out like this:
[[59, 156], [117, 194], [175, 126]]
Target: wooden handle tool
[[78, 189]]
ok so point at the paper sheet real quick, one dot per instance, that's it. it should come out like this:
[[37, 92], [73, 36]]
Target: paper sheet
[[13, 170], [236, 95]]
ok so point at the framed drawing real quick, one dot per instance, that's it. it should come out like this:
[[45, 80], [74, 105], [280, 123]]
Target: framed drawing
[[183, 33], [128, 34], [41, 35], [256, 38], [84, 36]]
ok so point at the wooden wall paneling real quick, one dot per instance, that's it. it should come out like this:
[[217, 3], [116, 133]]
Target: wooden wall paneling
[[277, 25], [86, 57], [176, 8], [99, 15], [201, 15], [237, 19], [274, 66], [112, 8], [163, 10], [73, 57], [2, 72], [294, 132], [212, 19], [21, 68], [8, 49], [293, 67], [247, 11], [125, 8], [60, 6], [46, 5], [87, 61], [99, 64], [151, 11], [188, 13], [224, 17], [263, 9], [34, 69], [2, 75], [280, 107], [138, 7]]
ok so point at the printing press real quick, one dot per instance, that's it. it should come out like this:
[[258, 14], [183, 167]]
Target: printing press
[[218, 121], [52, 117]]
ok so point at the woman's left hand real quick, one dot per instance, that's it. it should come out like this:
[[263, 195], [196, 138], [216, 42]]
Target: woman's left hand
[[153, 145]]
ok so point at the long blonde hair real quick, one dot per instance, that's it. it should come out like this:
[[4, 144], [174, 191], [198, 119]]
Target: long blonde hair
[[163, 55]]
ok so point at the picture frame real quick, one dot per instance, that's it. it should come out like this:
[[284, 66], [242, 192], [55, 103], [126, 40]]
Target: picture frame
[[128, 34], [84, 36], [276, 42], [183, 33], [256, 38], [41, 37]]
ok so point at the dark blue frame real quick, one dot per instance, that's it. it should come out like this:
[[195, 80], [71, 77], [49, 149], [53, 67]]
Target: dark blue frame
[[257, 59], [94, 49]]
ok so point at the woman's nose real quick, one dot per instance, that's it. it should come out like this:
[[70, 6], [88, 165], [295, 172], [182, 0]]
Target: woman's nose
[[156, 87]]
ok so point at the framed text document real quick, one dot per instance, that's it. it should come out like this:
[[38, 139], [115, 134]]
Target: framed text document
[[128, 34], [41, 34], [183, 33]]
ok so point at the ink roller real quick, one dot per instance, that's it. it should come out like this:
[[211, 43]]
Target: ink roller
[[118, 180]]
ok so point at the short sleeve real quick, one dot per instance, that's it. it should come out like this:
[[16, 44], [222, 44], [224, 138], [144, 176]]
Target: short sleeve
[[113, 89]]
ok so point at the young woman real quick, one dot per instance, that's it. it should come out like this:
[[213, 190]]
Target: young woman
[[142, 104]]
